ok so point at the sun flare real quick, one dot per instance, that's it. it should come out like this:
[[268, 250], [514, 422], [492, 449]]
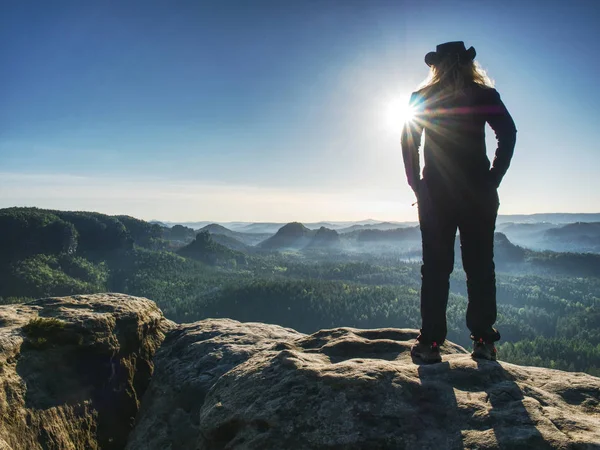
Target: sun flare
[[398, 111]]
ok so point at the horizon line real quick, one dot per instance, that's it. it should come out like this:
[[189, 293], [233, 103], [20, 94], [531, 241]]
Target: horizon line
[[364, 220]]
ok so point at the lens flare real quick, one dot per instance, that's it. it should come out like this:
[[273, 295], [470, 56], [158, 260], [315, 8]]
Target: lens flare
[[398, 111]]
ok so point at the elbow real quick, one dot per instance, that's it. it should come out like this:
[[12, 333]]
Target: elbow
[[508, 137]]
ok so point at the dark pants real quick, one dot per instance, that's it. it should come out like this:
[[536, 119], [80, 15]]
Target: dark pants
[[474, 215]]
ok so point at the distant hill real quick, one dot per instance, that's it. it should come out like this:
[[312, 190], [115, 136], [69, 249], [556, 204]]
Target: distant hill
[[318, 225], [367, 222], [578, 237], [294, 235], [396, 234], [192, 225], [572, 237], [245, 238], [231, 242], [371, 226], [205, 249], [215, 228], [558, 218], [404, 240], [260, 228], [525, 231], [583, 231], [273, 227], [179, 234], [325, 238], [507, 252]]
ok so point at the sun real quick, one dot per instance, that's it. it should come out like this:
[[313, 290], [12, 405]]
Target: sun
[[398, 111]]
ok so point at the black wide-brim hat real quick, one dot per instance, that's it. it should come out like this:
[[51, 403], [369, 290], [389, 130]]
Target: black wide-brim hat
[[455, 49]]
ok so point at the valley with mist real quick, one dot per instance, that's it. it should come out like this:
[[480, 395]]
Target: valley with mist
[[314, 276]]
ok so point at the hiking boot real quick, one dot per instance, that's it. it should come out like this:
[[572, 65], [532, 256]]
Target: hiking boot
[[429, 353], [484, 350]]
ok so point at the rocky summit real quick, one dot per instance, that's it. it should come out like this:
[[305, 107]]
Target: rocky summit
[[74, 369]]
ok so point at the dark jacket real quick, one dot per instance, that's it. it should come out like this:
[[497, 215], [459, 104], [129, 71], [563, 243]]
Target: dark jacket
[[454, 150]]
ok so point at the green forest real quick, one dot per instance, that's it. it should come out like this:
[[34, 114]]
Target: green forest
[[548, 303]]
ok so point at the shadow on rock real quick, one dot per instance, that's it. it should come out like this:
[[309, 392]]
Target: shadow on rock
[[490, 408], [435, 403], [513, 427]]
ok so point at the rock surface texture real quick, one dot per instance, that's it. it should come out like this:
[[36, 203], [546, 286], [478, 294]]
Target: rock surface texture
[[73, 370], [221, 384]]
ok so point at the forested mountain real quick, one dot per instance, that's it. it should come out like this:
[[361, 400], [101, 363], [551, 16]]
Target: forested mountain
[[552, 219], [543, 232], [215, 228], [205, 249], [505, 252], [580, 236], [294, 235], [548, 302], [29, 231], [231, 242], [272, 228], [325, 238], [530, 235], [573, 237], [178, 235], [245, 238], [525, 230]]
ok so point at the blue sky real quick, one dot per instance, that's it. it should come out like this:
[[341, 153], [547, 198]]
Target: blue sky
[[278, 110]]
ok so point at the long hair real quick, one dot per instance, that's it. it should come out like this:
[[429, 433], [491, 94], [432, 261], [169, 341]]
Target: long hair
[[452, 76]]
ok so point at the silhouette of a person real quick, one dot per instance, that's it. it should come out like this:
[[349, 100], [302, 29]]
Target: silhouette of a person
[[458, 191]]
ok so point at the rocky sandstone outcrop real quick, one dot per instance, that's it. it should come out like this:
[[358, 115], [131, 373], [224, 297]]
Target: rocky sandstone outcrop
[[221, 384], [192, 359], [73, 370]]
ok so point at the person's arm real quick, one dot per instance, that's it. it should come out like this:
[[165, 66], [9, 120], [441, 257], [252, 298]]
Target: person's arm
[[506, 134], [411, 140]]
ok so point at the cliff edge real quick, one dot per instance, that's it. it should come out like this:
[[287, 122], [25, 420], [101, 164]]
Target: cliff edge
[[74, 369]]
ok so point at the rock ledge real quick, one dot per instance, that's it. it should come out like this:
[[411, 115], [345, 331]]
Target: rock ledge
[[222, 384]]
